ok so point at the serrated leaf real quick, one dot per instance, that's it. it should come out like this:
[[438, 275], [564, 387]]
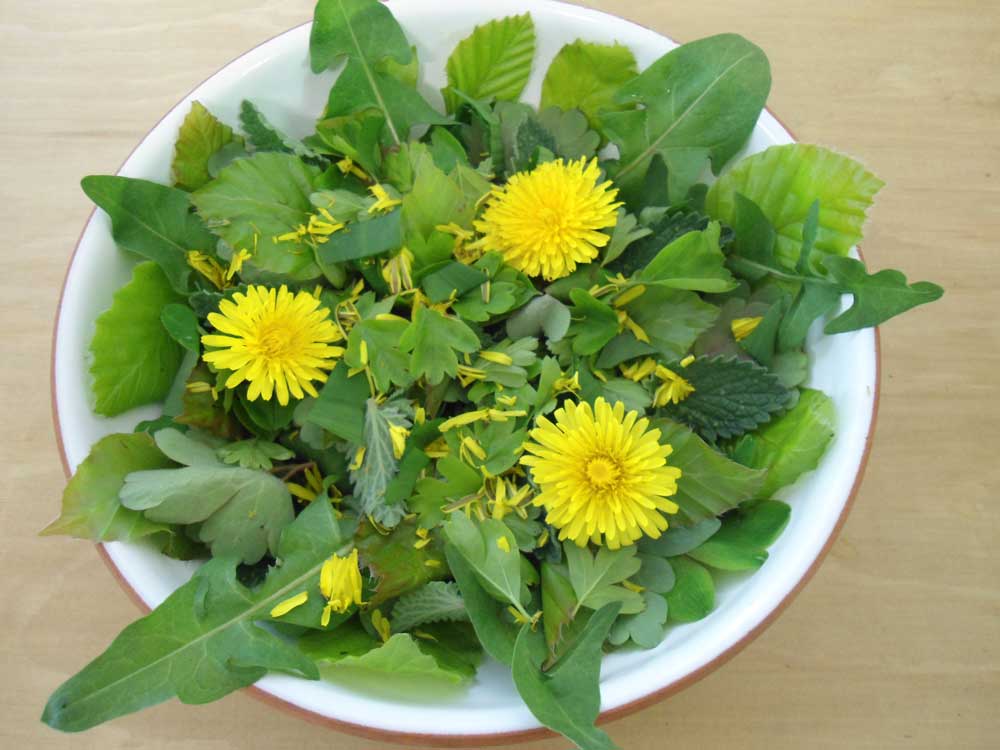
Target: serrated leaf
[[692, 261], [436, 197], [134, 360], [436, 601], [255, 200], [434, 340], [785, 180], [201, 135], [645, 628], [394, 561], [586, 76], [254, 453], [380, 465], [493, 62], [596, 578], [730, 397], [263, 136], [693, 595], [659, 233]]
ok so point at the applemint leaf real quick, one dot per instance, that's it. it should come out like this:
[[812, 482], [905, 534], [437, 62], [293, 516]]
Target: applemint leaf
[[645, 628], [152, 221], [742, 542], [201, 135], [396, 564], [434, 602], [693, 595], [214, 646], [783, 182], [596, 578], [586, 76], [493, 62], [255, 200], [379, 465], [434, 340], [717, 87], [134, 359], [692, 261], [254, 453]]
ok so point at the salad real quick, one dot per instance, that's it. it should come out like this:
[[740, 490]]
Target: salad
[[480, 380]]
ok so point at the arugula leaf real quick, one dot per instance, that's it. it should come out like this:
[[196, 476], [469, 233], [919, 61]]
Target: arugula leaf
[[135, 360], [742, 542], [596, 578], [730, 397], [263, 136], [693, 595], [784, 181], [645, 628], [559, 609], [594, 324], [151, 220], [493, 62], [491, 550], [496, 633], [877, 297], [255, 200], [567, 697], [214, 646], [396, 563], [380, 465], [433, 602], [254, 453], [432, 339], [692, 261], [672, 318], [790, 445], [200, 136], [762, 341], [815, 299], [586, 76], [717, 87]]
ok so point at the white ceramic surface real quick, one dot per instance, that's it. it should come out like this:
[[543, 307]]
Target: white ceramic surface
[[276, 76]]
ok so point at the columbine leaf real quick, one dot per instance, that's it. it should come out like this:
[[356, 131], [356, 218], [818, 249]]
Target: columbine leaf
[[693, 595], [644, 629], [701, 102], [671, 318], [151, 220], [263, 136], [200, 136], [692, 261], [679, 540], [586, 76], [135, 360], [742, 542], [877, 297], [214, 646], [433, 340], [396, 563], [784, 181], [254, 453], [730, 397], [436, 601], [389, 365], [596, 578], [493, 62], [438, 198], [791, 445], [497, 563], [431, 494], [255, 200], [380, 464]]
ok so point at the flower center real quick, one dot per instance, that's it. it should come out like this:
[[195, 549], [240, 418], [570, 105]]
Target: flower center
[[273, 341], [603, 472]]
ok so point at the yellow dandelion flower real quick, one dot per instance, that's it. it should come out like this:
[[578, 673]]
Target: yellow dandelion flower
[[546, 221], [743, 327], [602, 473], [276, 340], [674, 388], [383, 201], [340, 583]]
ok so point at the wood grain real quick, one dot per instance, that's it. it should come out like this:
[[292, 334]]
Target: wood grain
[[895, 643]]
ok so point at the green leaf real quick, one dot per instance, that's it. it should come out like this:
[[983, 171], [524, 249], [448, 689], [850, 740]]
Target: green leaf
[[496, 563], [730, 397], [263, 136], [567, 697], [596, 578], [792, 444], [496, 633], [202, 642], [436, 197], [791, 368], [572, 135], [594, 323], [340, 408], [635, 396], [877, 297], [431, 494], [200, 136], [658, 232], [761, 343], [693, 595], [742, 541], [400, 657], [433, 340], [493, 62], [135, 360], [559, 609], [453, 645], [363, 239], [255, 200], [349, 638], [241, 512], [355, 136], [586, 76], [254, 454], [692, 261], [181, 323], [785, 180], [544, 314], [396, 563], [452, 278], [625, 232], [672, 319], [380, 465], [679, 540], [701, 102], [436, 601], [151, 220], [815, 299], [645, 628], [388, 364]]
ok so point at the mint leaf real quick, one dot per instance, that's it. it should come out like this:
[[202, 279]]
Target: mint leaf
[[877, 297], [784, 181], [214, 646], [200, 136], [380, 465], [730, 397], [497, 564], [692, 261], [254, 453], [436, 601], [151, 220], [693, 595], [596, 578], [433, 340], [645, 628], [701, 102], [586, 76], [493, 62], [255, 200], [134, 358]]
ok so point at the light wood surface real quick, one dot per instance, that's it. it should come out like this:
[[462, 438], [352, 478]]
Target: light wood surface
[[894, 644]]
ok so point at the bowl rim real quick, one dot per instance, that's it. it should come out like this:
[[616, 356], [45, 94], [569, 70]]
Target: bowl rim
[[492, 738]]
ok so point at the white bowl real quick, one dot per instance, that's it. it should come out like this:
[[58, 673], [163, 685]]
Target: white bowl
[[276, 76]]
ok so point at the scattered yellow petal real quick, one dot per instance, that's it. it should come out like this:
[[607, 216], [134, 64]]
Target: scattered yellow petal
[[208, 267], [359, 458], [674, 388], [398, 436], [503, 544], [630, 295], [465, 418], [236, 263], [640, 370], [743, 327], [289, 604], [383, 201], [498, 358], [687, 360], [381, 625], [633, 587]]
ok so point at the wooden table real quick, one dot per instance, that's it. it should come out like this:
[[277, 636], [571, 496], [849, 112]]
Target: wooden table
[[895, 643]]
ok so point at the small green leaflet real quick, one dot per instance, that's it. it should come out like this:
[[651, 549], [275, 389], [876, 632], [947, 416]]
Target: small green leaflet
[[214, 646], [571, 132], [497, 563], [135, 359], [693, 595], [241, 512], [692, 261], [559, 609], [380, 465], [200, 136], [151, 220], [594, 324], [742, 541], [645, 628], [181, 323], [254, 453], [458, 480], [625, 232], [433, 340], [730, 397], [434, 602], [586, 76], [493, 62], [400, 656], [596, 578], [658, 229], [388, 364], [877, 297], [355, 136]]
